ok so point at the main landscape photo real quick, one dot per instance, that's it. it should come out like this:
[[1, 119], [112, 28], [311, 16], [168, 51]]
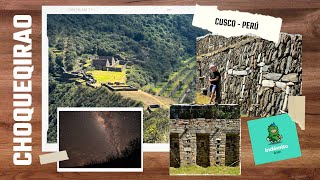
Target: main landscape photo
[[133, 60]]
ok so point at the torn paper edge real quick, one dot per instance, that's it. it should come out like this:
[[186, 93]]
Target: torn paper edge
[[296, 110]]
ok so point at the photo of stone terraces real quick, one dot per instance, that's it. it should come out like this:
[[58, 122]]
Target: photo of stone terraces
[[180, 83], [257, 74]]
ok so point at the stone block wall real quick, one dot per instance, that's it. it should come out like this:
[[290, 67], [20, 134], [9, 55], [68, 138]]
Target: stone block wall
[[257, 74], [115, 69], [198, 134]]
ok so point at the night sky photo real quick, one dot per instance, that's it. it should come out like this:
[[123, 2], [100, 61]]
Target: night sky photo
[[100, 139]]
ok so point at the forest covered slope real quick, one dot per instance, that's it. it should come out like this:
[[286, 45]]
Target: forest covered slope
[[157, 43]]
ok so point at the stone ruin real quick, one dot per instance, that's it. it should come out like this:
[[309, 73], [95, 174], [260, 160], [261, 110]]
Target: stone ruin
[[109, 63], [153, 107], [119, 87], [204, 135], [257, 74]]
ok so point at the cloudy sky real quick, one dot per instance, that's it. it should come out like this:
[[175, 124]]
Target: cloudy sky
[[92, 136]]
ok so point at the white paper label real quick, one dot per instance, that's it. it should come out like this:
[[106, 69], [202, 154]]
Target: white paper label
[[235, 23]]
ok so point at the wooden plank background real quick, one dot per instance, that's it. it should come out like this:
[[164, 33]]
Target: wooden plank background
[[299, 16]]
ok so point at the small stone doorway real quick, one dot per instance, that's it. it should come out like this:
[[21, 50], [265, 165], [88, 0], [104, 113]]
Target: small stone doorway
[[203, 150], [174, 150], [232, 149]]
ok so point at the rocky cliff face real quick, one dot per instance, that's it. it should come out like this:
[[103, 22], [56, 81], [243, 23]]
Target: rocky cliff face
[[257, 74]]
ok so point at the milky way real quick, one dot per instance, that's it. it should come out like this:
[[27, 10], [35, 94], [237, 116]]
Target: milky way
[[93, 136]]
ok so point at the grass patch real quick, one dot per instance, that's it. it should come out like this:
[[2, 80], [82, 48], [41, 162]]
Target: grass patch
[[159, 86], [173, 75], [118, 66], [108, 76], [173, 85], [192, 64], [216, 170], [88, 63], [148, 99], [186, 83], [181, 78], [97, 84], [202, 99], [186, 61]]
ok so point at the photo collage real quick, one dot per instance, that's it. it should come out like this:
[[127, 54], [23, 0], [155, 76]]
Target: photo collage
[[119, 84]]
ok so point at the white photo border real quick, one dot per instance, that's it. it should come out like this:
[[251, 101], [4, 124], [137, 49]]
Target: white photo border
[[114, 109]]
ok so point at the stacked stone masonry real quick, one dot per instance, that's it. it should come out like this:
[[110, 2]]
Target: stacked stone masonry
[[204, 135], [257, 74]]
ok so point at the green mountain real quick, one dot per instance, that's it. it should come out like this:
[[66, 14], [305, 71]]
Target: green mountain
[[156, 43]]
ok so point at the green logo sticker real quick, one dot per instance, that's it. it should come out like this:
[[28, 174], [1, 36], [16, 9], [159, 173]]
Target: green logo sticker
[[273, 139]]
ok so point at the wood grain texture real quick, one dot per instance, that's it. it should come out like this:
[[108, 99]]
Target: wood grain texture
[[298, 16], [223, 4]]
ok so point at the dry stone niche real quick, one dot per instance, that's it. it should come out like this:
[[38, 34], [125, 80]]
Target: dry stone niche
[[204, 135], [257, 74]]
